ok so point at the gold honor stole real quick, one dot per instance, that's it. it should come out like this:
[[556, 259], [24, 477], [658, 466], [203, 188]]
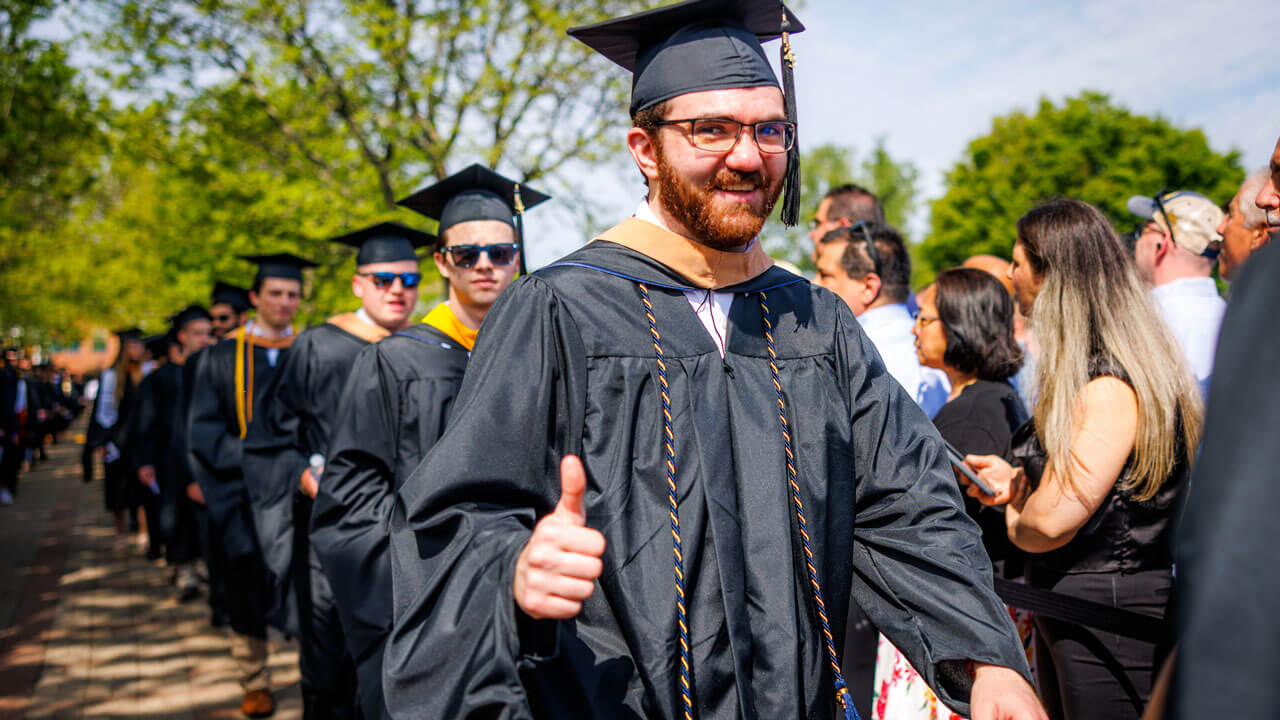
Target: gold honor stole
[[245, 343], [702, 266], [442, 318]]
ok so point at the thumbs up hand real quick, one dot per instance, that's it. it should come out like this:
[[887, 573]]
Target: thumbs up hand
[[558, 566]]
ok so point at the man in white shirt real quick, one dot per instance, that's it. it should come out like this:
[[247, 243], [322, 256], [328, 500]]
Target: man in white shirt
[[868, 267], [1175, 253]]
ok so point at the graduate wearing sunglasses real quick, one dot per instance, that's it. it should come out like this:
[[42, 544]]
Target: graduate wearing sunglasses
[[397, 398], [286, 445]]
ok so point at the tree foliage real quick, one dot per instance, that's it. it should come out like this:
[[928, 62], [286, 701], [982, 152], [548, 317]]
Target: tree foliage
[[51, 139], [263, 125], [829, 165], [410, 88], [1086, 148]]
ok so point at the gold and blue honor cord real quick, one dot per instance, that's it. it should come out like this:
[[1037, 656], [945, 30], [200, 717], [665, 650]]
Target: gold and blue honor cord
[[668, 437], [843, 698]]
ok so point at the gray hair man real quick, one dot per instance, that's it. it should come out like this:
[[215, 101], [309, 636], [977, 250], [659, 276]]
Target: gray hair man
[[1244, 227]]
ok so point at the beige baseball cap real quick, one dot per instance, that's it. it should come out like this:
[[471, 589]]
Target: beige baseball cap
[[1195, 219]]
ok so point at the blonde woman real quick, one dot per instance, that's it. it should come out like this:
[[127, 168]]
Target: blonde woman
[[110, 423], [1104, 459]]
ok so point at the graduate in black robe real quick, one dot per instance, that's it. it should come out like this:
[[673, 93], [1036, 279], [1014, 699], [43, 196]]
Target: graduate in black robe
[[295, 427], [110, 426], [229, 390], [1226, 546], [229, 306], [396, 403], [746, 476], [160, 452]]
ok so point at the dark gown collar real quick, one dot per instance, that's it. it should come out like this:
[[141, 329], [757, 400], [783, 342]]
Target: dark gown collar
[[614, 259]]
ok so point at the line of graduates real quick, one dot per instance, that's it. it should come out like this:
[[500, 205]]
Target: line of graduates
[[37, 402], [670, 468], [274, 454]]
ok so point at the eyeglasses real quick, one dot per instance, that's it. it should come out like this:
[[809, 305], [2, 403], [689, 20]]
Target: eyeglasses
[[872, 252], [722, 135], [384, 280], [223, 318], [1165, 213], [921, 319], [465, 256]]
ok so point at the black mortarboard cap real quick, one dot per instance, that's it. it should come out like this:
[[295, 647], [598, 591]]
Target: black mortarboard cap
[[476, 193], [691, 46], [386, 242], [226, 293], [131, 333], [157, 345], [702, 45], [179, 320], [278, 265]]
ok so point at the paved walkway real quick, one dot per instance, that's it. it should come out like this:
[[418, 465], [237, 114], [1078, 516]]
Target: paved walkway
[[91, 629]]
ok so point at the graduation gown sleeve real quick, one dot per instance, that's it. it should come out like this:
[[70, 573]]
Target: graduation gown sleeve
[[275, 454], [455, 649], [1225, 549], [148, 416], [921, 572], [216, 448], [349, 519]]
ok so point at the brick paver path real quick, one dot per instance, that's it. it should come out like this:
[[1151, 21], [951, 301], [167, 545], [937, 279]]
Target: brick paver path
[[91, 629]]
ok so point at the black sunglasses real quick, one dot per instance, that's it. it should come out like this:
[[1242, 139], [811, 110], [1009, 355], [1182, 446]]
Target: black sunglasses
[[222, 318], [465, 256], [872, 252], [1165, 213], [384, 280]]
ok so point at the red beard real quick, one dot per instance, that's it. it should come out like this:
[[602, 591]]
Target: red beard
[[695, 207]]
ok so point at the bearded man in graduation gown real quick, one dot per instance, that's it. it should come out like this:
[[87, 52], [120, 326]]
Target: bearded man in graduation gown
[[160, 448], [690, 458], [230, 388], [293, 431], [396, 402]]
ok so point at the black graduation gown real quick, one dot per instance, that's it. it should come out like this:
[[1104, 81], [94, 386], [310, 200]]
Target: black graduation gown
[[211, 545], [565, 362], [10, 441], [161, 443], [392, 411], [294, 424], [1225, 598], [213, 435]]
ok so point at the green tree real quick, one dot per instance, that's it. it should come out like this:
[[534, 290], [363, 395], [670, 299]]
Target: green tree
[[274, 124], [411, 88], [829, 165], [51, 141], [1086, 148]]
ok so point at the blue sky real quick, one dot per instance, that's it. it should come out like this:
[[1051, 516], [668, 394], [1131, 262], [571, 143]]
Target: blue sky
[[930, 77]]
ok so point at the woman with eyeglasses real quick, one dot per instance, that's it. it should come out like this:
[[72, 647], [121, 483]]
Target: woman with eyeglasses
[[964, 327], [1102, 463]]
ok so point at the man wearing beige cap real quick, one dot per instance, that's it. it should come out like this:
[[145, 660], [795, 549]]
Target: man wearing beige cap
[[1175, 254]]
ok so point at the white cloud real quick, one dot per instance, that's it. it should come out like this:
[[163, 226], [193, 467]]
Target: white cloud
[[931, 76]]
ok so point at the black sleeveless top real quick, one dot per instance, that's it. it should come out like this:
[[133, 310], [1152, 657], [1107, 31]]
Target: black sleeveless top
[[1123, 534]]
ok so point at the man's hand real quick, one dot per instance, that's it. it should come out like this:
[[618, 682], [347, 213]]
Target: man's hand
[[558, 567], [1000, 693], [193, 492], [147, 476], [308, 484]]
